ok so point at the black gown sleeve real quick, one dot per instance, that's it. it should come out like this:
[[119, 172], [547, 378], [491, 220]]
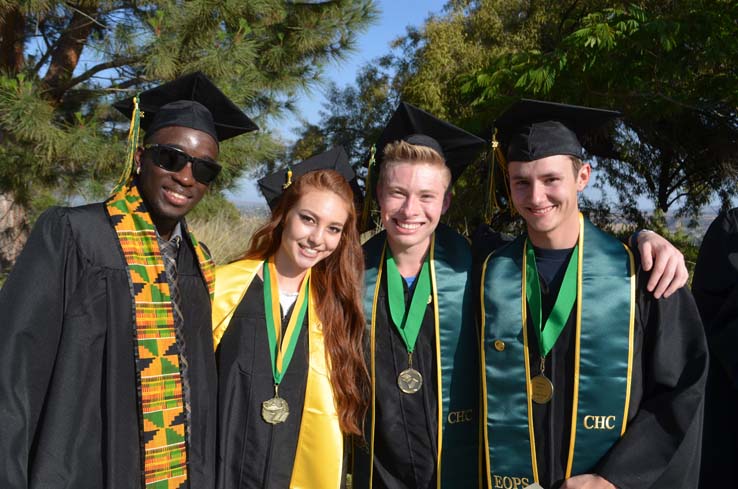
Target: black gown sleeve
[[662, 443], [32, 302], [715, 287]]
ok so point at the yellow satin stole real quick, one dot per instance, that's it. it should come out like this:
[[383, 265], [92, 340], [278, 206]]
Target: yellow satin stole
[[319, 454]]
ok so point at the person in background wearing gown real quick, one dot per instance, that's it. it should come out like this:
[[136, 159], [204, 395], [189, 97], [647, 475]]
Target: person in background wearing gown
[[715, 289], [107, 376], [603, 385], [288, 325]]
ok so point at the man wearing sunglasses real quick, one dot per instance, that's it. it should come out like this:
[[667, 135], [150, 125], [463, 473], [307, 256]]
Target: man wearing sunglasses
[[107, 374]]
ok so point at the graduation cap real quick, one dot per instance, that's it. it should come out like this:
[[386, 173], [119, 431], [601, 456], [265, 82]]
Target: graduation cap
[[532, 129], [274, 184], [415, 126], [189, 101]]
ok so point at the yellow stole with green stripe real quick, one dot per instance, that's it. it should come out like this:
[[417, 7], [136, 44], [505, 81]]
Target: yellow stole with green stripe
[[319, 455], [161, 404], [603, 358]]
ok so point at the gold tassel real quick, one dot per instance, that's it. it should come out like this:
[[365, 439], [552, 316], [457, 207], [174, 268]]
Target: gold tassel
[[289, 179], [368, 197], [133, 132], [497, 158]]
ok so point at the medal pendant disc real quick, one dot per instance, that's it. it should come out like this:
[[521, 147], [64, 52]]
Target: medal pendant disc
[[542, 389], [410, 381], [275, 410]]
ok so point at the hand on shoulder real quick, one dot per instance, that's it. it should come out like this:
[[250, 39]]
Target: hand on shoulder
[[664, 261]]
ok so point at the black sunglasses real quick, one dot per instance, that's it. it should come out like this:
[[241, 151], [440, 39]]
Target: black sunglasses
[[174, 159]]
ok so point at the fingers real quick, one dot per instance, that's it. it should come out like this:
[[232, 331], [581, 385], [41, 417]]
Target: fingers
[[680, 277], [646, 251], [669, 273], [662, 274], [665, 262]]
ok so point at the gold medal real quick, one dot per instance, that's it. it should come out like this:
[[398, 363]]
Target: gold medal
[[410, 381], [542, 389], [275, 410]]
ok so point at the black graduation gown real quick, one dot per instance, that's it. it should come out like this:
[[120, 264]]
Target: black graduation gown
[[715, 288], [68, 402], [406, 427], [253, 454], [661, 445]]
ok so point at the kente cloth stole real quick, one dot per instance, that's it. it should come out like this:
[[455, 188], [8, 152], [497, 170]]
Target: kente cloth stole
[[456, 355], [158, 367], [603, 358], [319, 453]]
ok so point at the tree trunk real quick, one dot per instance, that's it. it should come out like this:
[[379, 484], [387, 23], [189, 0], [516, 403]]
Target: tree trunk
[[11, 40], [68, 49], [14, 231]]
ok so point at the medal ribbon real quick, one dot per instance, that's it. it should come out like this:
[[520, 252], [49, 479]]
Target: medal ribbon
[[407, 320], [550, 332], [282, 349]]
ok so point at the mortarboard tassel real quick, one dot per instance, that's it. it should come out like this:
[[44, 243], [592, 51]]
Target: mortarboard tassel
[[133, 132], [497, 157], [368, 188], [289, 179]]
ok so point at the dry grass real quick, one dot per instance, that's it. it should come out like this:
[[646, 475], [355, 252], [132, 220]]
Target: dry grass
[[227, 238]]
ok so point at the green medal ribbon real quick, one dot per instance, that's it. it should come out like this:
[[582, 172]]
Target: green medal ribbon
[[408, 321], [550, 332], [282, 349]]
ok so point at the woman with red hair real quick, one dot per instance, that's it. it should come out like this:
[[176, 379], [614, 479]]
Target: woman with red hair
[[288, 328]]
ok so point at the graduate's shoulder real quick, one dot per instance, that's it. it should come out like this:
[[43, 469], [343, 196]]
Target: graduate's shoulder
[[87, 228], [485, 239], [727, 221], [232, 279], [94, 233], [451, 238]]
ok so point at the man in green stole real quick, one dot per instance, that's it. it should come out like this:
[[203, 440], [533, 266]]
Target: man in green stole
[[422, 430], [107, 373], [590, 382]]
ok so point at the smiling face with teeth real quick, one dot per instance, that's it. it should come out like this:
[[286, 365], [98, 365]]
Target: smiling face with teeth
[[544, 192], [311, 231], [169, 196], [412, 197]]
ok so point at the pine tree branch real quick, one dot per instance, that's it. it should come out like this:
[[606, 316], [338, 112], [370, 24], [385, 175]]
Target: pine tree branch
[[47, 54], [113, 63], [84, 14]]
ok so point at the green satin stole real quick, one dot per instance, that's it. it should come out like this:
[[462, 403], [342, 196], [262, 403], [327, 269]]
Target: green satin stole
[[603, 362], [457, 361]]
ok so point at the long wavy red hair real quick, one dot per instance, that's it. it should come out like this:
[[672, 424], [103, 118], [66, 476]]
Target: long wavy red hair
[[337, 281]]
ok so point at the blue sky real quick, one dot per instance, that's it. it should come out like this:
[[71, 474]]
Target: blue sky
[[394, 17]]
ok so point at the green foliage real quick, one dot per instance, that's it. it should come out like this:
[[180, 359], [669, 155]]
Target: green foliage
[[57, 130], [353, 117], [665, 67], [260, 52], [215, 204]]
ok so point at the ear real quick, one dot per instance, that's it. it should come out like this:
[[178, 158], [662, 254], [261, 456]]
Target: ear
[[446, 202], [137, 158], [583, 176]]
